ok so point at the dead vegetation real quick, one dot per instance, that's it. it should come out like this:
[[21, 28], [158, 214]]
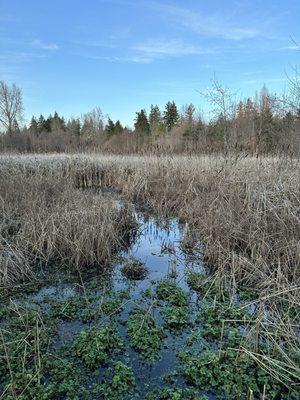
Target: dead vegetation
[[46, 220]]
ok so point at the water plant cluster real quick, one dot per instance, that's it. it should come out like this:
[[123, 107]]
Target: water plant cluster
[[74, 343]]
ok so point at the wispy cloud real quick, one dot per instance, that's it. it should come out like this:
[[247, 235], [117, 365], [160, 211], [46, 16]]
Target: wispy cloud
[[19, 56], [101, 43], [161, 48], [120, 59], [214, 25], [292, 47], [44, 46]]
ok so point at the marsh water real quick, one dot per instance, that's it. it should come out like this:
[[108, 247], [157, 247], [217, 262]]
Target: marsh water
[[157, 244], [74, 303]]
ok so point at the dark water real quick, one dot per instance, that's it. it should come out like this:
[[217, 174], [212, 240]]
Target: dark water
[[158, 246]]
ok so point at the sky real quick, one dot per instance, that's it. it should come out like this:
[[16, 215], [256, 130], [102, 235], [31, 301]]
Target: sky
[[124, 55]]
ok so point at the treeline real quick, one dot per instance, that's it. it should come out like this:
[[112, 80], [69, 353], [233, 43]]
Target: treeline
[[261, 125]]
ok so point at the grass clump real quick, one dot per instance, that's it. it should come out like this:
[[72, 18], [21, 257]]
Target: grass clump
[[95, 346], [146, 337], [134, 270]]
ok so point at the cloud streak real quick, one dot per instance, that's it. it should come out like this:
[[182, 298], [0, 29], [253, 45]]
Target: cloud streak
[[163, 48], [213, 25], [44, 46]]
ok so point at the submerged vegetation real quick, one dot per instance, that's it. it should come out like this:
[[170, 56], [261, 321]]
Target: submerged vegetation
[[81, 317]]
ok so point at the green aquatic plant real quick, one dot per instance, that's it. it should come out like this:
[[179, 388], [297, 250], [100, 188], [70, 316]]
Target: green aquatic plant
[[24, 336], [110, 306], [177, 317], [121, 384], [146, 337], [95, 346], [205, 285], [63, 378], [171, 293], [69, 309], [176, 311], [221, 319], [230, 374], [167, 393]]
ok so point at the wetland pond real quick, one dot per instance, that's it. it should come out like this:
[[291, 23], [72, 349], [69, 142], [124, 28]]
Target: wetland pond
[[147, 330]]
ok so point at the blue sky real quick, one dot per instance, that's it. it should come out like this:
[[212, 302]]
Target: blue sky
[[123, 55]]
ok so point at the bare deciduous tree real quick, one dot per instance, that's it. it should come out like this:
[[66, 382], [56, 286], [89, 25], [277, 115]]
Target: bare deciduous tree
[[11, 106], [93, 122], [224, 107]]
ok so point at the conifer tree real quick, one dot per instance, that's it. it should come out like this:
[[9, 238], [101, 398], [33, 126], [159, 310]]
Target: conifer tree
[[118, 127], [110, 127], [141, 122], [41, 124], [154, 118], [74, 127], [33, 127], [189, 114], [171, 115]]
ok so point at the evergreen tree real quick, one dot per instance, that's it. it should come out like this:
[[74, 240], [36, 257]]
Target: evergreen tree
[[77, 127], [171, 115], [154, 118], [118, 127], [189, 114], [34, 127], [47, 124], [141, 122], [74, 126], [41, 124], [110, 127], [57, 123]]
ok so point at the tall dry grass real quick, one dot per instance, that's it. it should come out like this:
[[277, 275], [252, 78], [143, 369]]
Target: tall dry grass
[[45, 219]]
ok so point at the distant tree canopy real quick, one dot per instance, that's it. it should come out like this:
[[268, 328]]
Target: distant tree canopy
[[262, 124], [51, 124]]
